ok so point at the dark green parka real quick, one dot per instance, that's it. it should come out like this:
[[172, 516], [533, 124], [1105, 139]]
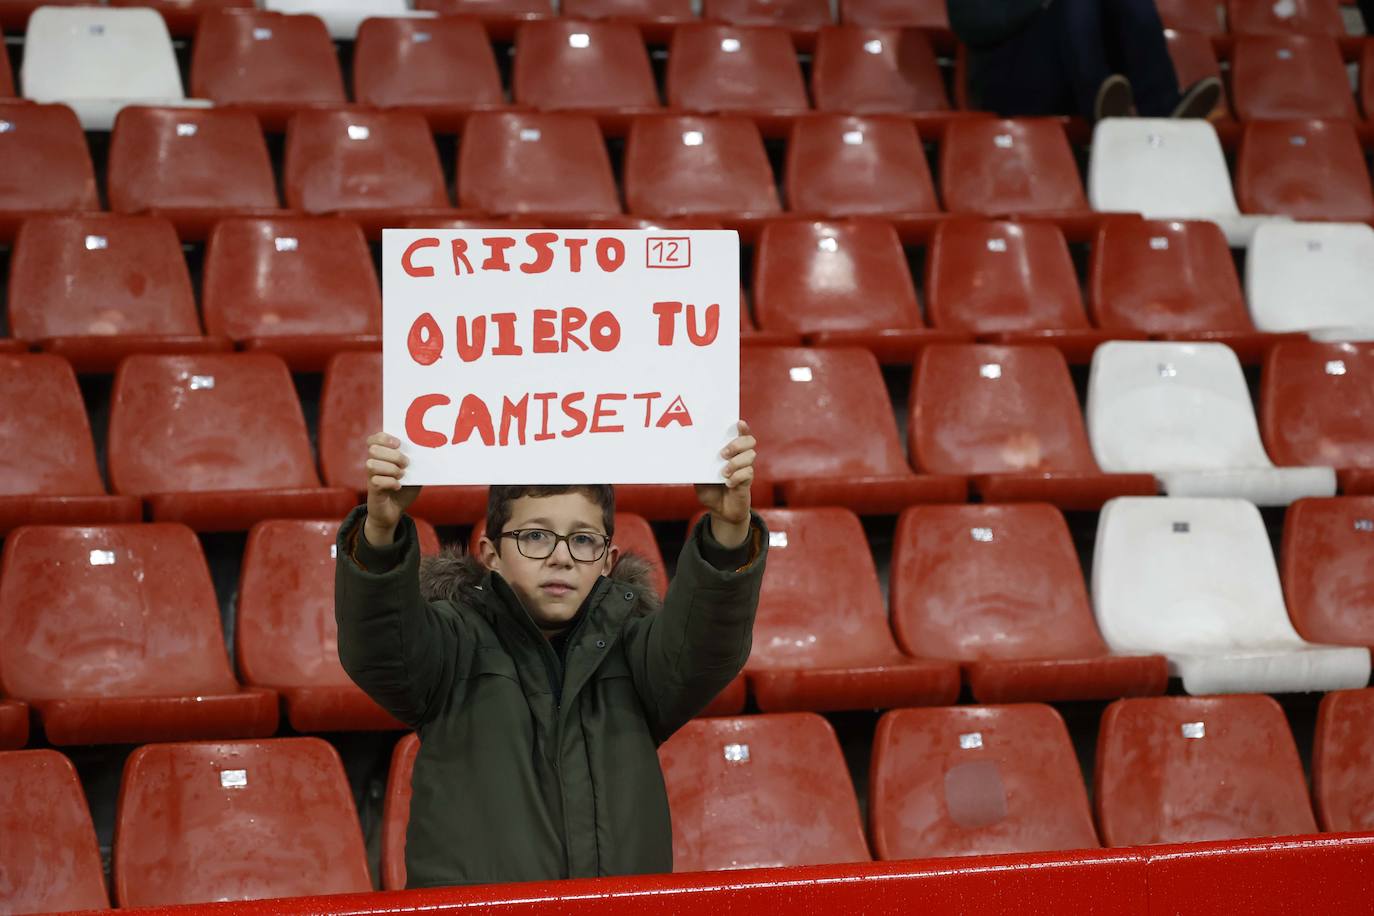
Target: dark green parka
[[512, 782]]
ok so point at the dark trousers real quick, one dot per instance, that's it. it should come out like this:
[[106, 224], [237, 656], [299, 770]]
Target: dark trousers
[[1367, 11], [1057, 62]]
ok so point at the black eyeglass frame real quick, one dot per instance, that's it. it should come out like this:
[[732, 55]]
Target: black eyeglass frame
[[559, 539]]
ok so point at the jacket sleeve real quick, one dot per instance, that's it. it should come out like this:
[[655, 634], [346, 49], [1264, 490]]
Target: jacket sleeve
[[405, 653], [687, 652], [988, 22]]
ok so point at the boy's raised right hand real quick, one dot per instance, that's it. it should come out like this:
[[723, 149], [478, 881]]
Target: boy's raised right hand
[[387, 500]]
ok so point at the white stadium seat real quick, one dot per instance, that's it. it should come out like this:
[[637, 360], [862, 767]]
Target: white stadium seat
[[342, 17], [1195, 580], [1313, 277], [1182, 412], [98, 60], [1166, 169]]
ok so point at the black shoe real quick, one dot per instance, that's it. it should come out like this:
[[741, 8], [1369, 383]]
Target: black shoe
[[1200, 99], [1114, 98]]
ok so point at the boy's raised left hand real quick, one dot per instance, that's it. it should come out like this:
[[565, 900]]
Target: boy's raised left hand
[[729, 502]]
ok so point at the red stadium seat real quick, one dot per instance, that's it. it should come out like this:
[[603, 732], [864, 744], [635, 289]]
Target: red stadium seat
[[1000, 589], [976, 780], [441, 68], [1009, 418], [846, 166], [50, 857], [1342, 781], [14, 724], [1328, 580], [778, 781], [500, 17], [269, 63], [694, 166], [536, 163], [217, 441], [1008, 283], [124, 645], [1194, 59], [1202, 16], [6, 74], [1193, 769], [1309, 170], [736, 70], [42, 413], [1011, 168], [832, 438], [797, 16], [1172, 280], [254, 819], [1290, 76], [375, 166], [812, 652], [193, 167], [286, 638], [1317, 405], [183, 16], [655, 18], [97, 288], [876, 71], [601, 68], [921, 14], [303, 288], [1367, 79], [47, 164], [840, 283], [1304, 17], [396, 813], [350, 411]]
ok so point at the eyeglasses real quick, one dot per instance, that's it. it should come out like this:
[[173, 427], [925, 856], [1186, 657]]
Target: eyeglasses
[[540, 543]]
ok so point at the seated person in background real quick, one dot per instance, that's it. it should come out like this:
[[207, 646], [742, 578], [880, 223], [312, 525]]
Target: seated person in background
[[543, 678], [1094, 58]]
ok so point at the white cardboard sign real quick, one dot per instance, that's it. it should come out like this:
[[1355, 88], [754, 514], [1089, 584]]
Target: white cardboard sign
[[560, 356]]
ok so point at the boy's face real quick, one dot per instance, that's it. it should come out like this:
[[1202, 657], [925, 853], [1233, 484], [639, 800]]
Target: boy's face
[[551, 589]]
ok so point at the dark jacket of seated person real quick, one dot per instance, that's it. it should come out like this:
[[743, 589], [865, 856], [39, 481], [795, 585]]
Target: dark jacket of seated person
[[539, 758]]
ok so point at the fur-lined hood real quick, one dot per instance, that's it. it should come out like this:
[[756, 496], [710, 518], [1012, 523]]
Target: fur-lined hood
[[443, 577]]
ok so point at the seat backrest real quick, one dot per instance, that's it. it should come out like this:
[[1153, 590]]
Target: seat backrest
[[984, 276], [990, 582], [1193, 769], [447, 60], [131, 614], [682, 166], [922, 14], [97, 275], [177, 157], [873, 71], [780, 783], [396, 813], [1187, 576], [286, 635], [1367, 79], [798, 15], [1317, 404], [44, 413], [1163, 277], [1161, 168], [255, 819], [1309, 170], [799, 622], [350, 411], [6, 74], [1342, 781], [212, 422], [642, 11], [1290, 76], [1307, 17], [549, 163], [976, 780], [1164, 406], [359, 159], [87, 52], [1204, 17], [566, 63], [1311, 276], [716, 67], [996, 167], [979, 409], [50, 861], [843, 165], [1328, 569], [297, 275], [823, 413], [1193, 57], [261, 57], [47, 163], [850, 275]]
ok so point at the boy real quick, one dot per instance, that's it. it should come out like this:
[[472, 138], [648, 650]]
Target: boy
[[542, 679]]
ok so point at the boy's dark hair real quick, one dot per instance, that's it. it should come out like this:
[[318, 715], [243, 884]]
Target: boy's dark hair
[[499, 501]]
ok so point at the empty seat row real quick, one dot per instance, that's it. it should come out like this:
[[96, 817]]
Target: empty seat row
[[943, 782], [1254, 17]]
